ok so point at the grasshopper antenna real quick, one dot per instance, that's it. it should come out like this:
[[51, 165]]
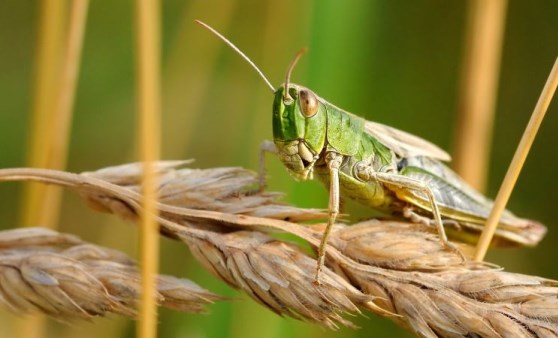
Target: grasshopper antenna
[[298, 55], [239, 52]]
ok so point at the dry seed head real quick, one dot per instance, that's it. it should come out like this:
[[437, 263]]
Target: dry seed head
[[405, 272], [58, 275], [277, 275], [230, 190]]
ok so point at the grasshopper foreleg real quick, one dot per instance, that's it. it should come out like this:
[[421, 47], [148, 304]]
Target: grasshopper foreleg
[[333, 161], [265, 147], [409, 183]]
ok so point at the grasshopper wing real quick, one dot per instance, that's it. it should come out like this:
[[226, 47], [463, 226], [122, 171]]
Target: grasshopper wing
[[459, 202], [404, 144]]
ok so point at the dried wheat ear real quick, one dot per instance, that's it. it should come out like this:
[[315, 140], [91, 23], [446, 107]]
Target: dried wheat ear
[[60, 275], [393, 269]]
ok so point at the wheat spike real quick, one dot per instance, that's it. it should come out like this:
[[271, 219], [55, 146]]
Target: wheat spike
[[58, 274]]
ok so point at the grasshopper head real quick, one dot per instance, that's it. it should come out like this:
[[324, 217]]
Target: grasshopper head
[[299, 128]]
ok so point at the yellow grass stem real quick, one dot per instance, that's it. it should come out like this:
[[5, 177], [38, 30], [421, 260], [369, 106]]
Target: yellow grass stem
[[149, 103], [57, 154], [517, 162], [60, 119], [479, 86], [34, 210]]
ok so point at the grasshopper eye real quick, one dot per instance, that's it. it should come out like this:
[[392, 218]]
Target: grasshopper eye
[[308, 103]]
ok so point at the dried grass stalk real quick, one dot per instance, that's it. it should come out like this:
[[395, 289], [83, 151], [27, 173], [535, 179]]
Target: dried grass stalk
[[397, 270], [59, 275]]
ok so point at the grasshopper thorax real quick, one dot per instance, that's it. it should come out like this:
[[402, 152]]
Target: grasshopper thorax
[[299, 128]]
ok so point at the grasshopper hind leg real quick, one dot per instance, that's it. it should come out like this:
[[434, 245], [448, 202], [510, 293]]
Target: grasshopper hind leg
[[399, 182]]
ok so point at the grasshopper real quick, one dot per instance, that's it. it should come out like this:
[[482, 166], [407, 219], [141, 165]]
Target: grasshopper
[[379, 166]]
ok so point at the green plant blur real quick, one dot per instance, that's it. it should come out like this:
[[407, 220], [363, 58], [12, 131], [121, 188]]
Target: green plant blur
[[394, 62]]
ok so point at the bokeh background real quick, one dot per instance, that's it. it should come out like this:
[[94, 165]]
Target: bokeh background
[[394, 62]]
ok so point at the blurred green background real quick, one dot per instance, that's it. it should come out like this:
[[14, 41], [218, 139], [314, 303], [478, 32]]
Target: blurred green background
[[394, 62]]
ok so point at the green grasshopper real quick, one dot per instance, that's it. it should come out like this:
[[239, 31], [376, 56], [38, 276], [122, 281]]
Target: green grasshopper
[[379, 166]]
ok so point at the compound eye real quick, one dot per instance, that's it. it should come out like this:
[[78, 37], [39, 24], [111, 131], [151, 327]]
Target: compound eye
[[308, 103]]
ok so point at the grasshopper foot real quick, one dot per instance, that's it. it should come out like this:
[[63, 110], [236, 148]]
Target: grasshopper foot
[[454, 248], [316, 281]]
